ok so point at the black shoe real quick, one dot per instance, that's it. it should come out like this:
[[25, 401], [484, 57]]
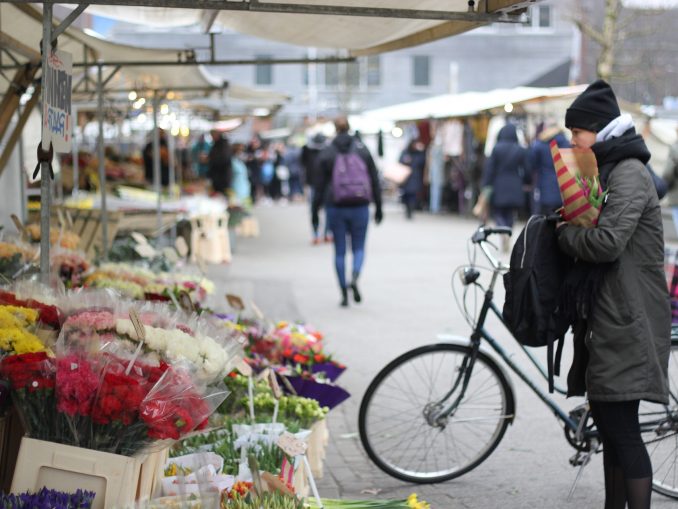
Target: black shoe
[[344, 298], [356, 294]]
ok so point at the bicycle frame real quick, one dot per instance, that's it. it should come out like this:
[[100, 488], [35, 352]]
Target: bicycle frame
[[480, 332]]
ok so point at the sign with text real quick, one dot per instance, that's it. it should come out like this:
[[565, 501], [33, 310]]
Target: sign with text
[[57, 118]]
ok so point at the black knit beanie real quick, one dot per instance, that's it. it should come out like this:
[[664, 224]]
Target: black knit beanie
[[593, 109]]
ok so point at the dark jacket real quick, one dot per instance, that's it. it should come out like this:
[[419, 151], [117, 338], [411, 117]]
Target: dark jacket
[[309, 160], [542, 170], [506, 170], [342, 144], [416, 160], [220, 171], [628, 336], [164, 162]]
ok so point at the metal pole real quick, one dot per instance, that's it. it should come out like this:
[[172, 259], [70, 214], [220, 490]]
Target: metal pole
[[76, 158], [156, 161], [102, 171], [22, 174], [171, 146], [44, 167]]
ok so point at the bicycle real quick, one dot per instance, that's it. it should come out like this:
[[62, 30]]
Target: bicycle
[[463, 418]]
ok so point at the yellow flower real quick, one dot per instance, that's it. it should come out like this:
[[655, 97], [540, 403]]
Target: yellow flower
[[413, 503], [17, 341]]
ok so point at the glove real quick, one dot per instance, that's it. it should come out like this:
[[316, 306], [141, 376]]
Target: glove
[[378, 216], [315, 220]]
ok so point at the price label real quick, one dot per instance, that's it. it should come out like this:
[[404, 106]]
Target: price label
[[145, 250], [291, 445], [138, 326], [275, 386], [186, 302], [19, 225], [139, 238], [275, 483], [244, 368], [235, 302], [181, 246]]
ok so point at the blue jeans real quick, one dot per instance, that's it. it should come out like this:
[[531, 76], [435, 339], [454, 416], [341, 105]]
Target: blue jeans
[[345, 221]]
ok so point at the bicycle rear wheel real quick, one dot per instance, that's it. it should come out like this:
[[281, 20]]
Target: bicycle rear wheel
[[659, 424], [395, 414]]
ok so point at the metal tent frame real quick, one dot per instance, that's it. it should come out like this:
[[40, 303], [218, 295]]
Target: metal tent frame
[[488, 11]]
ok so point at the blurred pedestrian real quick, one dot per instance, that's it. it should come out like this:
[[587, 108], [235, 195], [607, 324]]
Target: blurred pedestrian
[[506, 173], [292, 159], [413, 156], [220, 170], [546, 193], [164, 161], [240, 184], [309, 159], [253, 159], [348, 183], [200, 153]]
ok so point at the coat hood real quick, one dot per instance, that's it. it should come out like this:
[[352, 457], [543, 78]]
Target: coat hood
[[508, 133], [343, 142]]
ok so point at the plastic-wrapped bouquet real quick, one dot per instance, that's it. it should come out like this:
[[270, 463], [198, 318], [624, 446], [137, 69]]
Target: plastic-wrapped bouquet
[[579, 183], [46, 498]]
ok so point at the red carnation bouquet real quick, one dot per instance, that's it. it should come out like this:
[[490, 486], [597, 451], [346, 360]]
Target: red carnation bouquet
[[112, 392]]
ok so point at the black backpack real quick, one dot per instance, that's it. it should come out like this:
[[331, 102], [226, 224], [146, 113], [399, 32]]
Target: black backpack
[[533, 286]]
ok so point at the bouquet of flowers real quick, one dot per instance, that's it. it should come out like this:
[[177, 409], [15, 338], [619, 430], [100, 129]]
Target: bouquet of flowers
[[15, 331], [70, 267], [14, 256], [580, 188], [34, 297], [120, 380]]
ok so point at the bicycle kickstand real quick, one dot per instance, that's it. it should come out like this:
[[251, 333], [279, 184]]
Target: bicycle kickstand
[[582, 459]]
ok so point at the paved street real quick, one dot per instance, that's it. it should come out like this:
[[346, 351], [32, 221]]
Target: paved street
[[407, 302]]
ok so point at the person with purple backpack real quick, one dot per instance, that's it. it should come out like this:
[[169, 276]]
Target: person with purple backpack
[[348, 181]]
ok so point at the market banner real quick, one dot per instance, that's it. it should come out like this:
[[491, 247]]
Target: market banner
[[57, 120]]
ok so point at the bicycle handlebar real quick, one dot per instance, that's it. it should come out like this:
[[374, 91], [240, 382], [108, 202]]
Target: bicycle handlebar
[[483, 232]]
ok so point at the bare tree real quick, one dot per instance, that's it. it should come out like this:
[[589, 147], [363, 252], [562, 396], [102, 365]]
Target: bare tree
[[606, 36]]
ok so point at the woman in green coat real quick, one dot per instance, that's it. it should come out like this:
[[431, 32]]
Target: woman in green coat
[[629, 327]]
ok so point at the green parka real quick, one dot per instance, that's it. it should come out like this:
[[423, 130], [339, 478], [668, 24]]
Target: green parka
[[628, 339]]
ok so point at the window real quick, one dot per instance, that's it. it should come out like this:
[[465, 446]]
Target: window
[[352, 74], [373, 71], [331, 75], [263, 72], [421, 71], [544, 16]]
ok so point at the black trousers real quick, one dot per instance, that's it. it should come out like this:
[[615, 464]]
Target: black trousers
[[623, 446]]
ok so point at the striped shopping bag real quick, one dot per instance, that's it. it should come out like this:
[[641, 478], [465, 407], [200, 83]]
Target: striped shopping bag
[[576, 207]]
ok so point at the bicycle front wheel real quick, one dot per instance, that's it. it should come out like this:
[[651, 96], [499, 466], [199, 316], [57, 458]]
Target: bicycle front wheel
[[659, 424], [397, 421]]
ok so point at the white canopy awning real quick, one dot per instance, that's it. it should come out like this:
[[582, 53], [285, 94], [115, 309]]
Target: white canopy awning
[[24, 23], [359, 34], [467, 104]]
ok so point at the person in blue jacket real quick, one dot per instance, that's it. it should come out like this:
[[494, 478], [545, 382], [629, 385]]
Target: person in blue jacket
[[546, 193], [506, 172]]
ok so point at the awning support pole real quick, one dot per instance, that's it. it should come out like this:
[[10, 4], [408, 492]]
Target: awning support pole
[[76, 158], [100, 156], [45, 211], [157, 185], [68, 20], [22, 172]]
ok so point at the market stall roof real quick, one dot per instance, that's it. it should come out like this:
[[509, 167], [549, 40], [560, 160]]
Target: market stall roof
[[360, 26], [24, 23], [468, 103]]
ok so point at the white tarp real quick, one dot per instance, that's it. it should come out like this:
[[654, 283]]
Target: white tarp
[[466, 104], [361, 35], [24, 24]]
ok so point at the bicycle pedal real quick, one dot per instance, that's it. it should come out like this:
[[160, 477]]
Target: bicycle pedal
[[580, 459]]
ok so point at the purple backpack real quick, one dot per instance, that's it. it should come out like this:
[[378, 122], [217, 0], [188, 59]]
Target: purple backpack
[[351, 183]]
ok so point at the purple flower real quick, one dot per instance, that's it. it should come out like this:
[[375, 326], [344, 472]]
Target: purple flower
[[48, 499]]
